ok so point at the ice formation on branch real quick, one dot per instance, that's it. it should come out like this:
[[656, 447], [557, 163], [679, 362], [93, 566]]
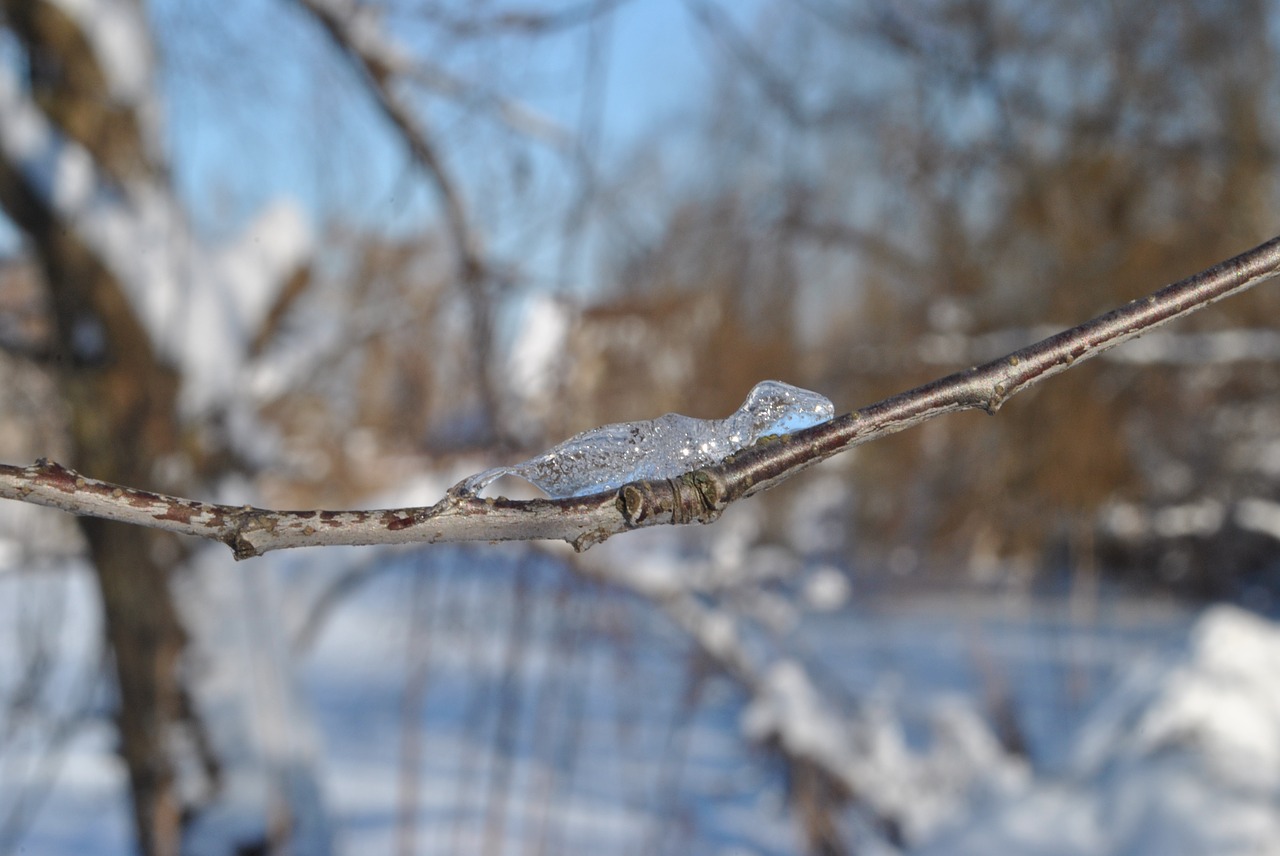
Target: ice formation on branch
[[661, 448]]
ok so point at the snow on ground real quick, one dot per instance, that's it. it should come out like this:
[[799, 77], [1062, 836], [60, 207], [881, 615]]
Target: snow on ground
[[252, 713], [1182, 757], [642, 760], [564, 716], [62, 788]]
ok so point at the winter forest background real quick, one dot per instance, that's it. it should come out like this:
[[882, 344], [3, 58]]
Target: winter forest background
[[329, 253]]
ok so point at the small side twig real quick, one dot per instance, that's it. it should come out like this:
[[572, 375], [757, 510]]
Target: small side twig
[[700, 495]]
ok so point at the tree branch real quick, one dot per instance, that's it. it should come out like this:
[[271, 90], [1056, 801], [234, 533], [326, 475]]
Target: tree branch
[[377, 60], [700, 495]]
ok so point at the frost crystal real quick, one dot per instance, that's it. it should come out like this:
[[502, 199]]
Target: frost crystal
[[662, 448]]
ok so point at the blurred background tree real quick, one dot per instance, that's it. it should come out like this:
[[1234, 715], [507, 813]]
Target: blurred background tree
[[857, 197], [893, 193]]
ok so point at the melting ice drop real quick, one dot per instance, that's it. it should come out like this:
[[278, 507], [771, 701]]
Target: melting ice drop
[[662, 448]]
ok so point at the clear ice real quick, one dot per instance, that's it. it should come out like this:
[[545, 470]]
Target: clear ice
[[662, 448]]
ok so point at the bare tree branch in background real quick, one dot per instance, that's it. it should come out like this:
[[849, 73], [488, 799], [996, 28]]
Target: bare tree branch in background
[[535, 22], [875, 246], [963, 198], [378, 64], [516, 116], [701, 495], [717, 636], [777, 89]]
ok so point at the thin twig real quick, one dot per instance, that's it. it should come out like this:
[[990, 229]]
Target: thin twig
[[526, 22], [700, 495]]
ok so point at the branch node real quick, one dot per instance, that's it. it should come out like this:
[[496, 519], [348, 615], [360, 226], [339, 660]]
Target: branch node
[[241, 547], [244, 523], [589, 539], [698, 497], [637, 503], [630, 504]]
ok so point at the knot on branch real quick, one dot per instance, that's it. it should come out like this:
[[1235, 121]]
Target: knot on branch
[[639, 503], [698, 495], [242, 524]]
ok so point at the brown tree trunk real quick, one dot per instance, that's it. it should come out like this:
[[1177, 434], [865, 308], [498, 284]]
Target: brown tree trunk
[[121, 405], [147, 642]]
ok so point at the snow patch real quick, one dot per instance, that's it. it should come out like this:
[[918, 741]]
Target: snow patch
[[201, 306], [1259, 515], [826, 589], [921, 791], [1183, 757], [537, 353], [1201, 518], [1221, 702], [117, 31]]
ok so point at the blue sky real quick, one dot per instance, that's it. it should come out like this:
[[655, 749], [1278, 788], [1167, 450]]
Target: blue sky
[[256, 107]]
